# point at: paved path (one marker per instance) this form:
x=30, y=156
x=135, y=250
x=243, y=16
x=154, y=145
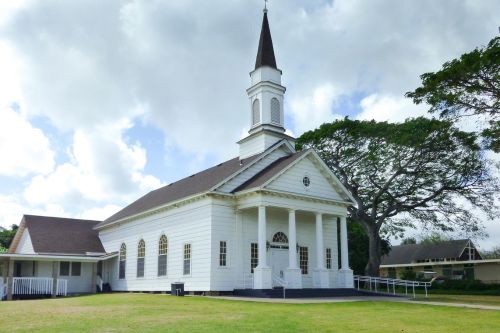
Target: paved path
x=354, y=299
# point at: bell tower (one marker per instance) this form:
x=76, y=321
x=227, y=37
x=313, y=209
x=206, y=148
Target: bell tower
x=266, y=96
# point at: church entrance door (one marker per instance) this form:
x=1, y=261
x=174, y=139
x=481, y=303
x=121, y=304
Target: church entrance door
x=279, y=261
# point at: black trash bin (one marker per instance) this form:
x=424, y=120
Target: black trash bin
x=177, y=289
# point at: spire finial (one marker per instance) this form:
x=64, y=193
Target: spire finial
x=265, y=6
x=265, y=53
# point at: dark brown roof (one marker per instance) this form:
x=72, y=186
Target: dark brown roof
x=265, y=53
x=55, y=235
x=197, y=183
x=411, y=253
x=270, y=171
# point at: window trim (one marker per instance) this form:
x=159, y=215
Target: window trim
x=160, y=255
x=69, y=268
x=123, y=249
x=226, y=257
x=184, y=259
x=328, y=258
x=254, y=247
x=80, y=272
x=143, y=257
x=256, y=109
x=273, y=113
x=306, y=250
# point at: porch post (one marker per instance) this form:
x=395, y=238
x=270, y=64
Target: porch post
x=343, y=243
x=320, y=274
x=10, y=279
x=93, y=290
x=262, y=278
x=55, y=272
x=345, y=273
x=262, y=237
x=292, y=274
x=320, y=258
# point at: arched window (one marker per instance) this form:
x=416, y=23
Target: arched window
x=141, y=254
x=123, y=261
x=280, y=237
x=255, y=112
x=275, y=111
x=162, y=255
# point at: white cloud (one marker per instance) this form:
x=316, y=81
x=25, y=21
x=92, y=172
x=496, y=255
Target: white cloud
x=23, y=149
x=389, y=108
x=83, y=65
x=313, y=109
x=103, y=168
x=99, y=213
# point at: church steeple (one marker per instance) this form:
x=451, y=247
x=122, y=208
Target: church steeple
x=266, y=96
x=265, y=53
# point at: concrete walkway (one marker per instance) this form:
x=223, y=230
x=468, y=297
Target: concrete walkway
x=354, y=299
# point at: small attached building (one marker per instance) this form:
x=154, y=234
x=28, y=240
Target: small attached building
x=455, y=259
x=47, y=249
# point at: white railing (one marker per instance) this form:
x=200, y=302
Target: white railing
x=377, y=283
x=280, y=282
x=38, y=286
x=62, y=287
x=247, y=281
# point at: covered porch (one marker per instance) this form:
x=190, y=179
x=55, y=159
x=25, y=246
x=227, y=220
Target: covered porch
x=311, y=231
x=36, y=275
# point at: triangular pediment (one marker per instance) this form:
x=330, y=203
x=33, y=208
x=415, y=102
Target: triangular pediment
x=309, y=176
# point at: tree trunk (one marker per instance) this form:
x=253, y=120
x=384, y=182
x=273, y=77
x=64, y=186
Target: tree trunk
x=374, y=251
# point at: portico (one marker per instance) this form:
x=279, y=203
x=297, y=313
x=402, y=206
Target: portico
x=308, y=251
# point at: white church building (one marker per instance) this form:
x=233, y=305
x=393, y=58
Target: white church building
x=270, y=217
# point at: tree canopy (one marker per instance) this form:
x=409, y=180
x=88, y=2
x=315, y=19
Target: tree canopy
x=6, y=237
x=422, y=170
x=468, y=86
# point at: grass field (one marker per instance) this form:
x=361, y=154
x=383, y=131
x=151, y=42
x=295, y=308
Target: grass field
x=467, y=299
x=161, y=313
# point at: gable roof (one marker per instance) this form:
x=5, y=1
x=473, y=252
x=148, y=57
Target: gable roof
x=56, y=235
x=194, y=184
x=269, y=172
x=410, y=253
x=274, y=170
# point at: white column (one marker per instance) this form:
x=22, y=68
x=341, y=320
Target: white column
x=292, y=240
x=345, y=276
x=262, y=238
x=343, y=243
x=262, y=276
x=293, y=275
x=320, y=274
x=320, y=259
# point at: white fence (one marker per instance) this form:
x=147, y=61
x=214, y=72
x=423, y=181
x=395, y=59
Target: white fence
x=38, y=286
x=378, y=284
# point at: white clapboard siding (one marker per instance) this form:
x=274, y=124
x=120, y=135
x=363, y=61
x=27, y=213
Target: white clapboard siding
x=25, y=246
x=187, y=224
x=291, y=181
x=224, y=228
x=253, y=170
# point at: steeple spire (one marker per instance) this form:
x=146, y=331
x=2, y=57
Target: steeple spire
x=265, y=53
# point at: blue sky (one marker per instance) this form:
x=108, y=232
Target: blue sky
x=101, y=102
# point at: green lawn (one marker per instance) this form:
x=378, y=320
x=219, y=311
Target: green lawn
x=159, y=313
x=468, y=299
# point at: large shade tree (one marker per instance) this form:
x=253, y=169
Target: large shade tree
x=422, y=170
x=467, y=87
